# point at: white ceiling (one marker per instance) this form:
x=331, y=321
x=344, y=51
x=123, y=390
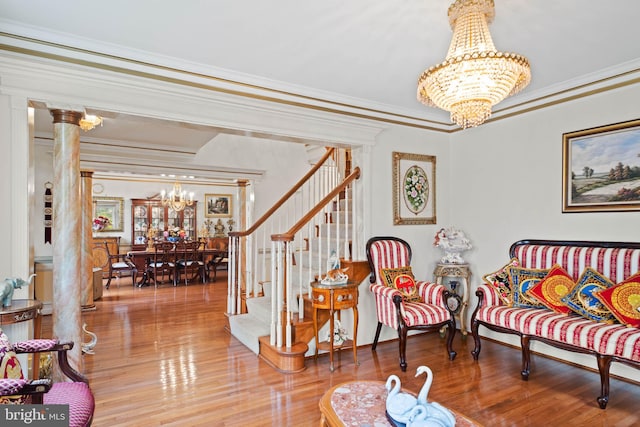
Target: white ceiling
x=361, y=53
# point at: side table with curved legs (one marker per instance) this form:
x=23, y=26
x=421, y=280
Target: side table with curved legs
x=459, y=300
x=335, y=298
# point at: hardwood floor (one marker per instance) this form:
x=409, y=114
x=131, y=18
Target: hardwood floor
x=164, y=358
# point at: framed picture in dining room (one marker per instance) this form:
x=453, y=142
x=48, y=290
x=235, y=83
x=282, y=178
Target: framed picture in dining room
x=414, y=189
x=601, y=168
x=111, y=208
x=218, y=205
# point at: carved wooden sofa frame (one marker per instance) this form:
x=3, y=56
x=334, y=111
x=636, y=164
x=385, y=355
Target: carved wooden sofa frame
x=574, y=256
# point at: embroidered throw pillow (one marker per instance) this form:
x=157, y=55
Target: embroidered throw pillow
x=9, y=368
x=403, y=280
x=521, y=280
x=582, y=299
x=550, y=290
x=499, y=279
x=623, y=300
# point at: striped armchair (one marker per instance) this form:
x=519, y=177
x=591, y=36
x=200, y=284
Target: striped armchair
x=608, y=342
x=430, y=314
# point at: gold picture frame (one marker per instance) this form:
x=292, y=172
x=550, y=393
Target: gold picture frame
x=218, y=205
x=414, y=189
x=112, y=208
x=601, y=168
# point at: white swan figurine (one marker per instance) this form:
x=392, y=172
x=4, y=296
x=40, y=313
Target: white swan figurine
x=434, y=409
x=398, y=404
x=418, y=418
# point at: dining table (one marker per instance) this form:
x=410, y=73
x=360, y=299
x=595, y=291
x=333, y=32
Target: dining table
x=206, y=255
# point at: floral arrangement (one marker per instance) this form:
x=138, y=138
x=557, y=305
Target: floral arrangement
x=100, y=223
x=339, y=334
x=175, y=233
x=416, y=189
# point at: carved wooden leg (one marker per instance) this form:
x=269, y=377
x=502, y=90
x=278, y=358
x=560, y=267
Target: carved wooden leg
x=375, y=340
x=526, y=357
x=450, y=335
x=402, y=344
x=476, y=339
x=604, y=363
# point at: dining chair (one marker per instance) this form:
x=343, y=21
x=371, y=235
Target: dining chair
x=117, y=263
x=162, y=263
x=220, y=260
x=189, y=260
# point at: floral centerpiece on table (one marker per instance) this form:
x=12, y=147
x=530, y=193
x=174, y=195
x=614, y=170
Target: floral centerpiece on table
x=339, y=334
x=174, y=234
x=100, y=223
x=453, y=242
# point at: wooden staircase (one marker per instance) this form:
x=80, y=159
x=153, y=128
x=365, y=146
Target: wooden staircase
x=292, y=359
x=273, y=262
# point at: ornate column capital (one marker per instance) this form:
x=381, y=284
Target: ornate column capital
x=66, y=116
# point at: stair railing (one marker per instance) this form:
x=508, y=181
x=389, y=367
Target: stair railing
x=284, y=302
x=251, y=252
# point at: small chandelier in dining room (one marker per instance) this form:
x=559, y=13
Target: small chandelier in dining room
x=474, y=76
x=177, y=198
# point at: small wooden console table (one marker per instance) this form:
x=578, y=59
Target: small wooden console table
x=335, y=298
x=22, y=310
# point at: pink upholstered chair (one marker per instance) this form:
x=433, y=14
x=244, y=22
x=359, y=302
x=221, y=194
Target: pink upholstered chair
x=428, y=314
x=16, y=389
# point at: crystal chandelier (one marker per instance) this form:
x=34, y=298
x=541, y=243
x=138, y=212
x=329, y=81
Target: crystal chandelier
x=89, y=121
x=474, y=76
x=176, y=199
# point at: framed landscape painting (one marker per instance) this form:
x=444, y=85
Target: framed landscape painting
x=601, y=168
x=217, y=205
x=414, y=189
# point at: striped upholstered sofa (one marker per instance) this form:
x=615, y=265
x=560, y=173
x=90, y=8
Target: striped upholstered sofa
x=608, y=340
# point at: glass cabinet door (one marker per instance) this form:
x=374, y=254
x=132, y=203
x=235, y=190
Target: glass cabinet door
x=157, y=218
x=189, y=222
x=173, y=219
x=140, y=224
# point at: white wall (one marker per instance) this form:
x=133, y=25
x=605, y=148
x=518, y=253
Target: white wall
x=380, y=210
x=507, y=184
x=284, y=164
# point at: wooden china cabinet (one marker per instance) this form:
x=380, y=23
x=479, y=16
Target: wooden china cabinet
x=150, y=212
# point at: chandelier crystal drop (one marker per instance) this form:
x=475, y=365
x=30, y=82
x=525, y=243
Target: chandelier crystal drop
x=177, y=198
x=474, y=76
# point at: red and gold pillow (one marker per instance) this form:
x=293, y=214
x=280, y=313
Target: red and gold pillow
x=550, y=290
x=9, y=368
x=499, y=279
x=403, y=280
x=623, y=300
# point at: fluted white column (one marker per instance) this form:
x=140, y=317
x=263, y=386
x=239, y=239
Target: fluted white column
x=67, y=232
x=87, y=240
